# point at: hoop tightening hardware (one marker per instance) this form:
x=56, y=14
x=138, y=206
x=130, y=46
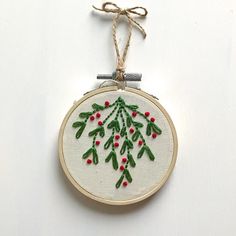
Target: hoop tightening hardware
x=127, y=76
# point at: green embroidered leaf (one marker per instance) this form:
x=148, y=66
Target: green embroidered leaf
x=156, y=129
x=95, y=156
x=141, y=152
x=129, y=143
x=114, y=124
x=95, y=131
x=77, y=124
x=135, y=136
x=111, y=124
x=126, y=143
x=132, y=107
x=150, y=154
x=128, y=121
x=117, y=126
x=87, y=153
x=131, y=160
x=120, y=100
x=108, y=142
x=110, y=156
x=138, y=124
x=127, y=175
x=80, y=131
x=97, y=107
x=102, y=132
x=119, y=181
x=122, y=132
x=149, y=129
x=123, y=148
x=85, y=114
x=114, y=161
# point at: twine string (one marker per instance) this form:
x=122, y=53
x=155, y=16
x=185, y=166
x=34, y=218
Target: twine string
x=109, y=7
x=113, y=82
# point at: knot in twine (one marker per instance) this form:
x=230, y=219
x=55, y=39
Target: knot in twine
x=110, y=7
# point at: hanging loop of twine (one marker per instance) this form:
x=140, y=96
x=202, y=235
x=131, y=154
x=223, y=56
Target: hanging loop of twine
x=110, y=7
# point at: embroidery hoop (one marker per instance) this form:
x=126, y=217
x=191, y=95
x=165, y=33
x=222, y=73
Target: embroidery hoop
x=108, y=201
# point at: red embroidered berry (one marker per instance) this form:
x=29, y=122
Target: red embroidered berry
x=107, y=103
x=131, y=130
x=134, y=113
x=122, y=168
x=100, y=123
x=91, y=118
x=140, y=142
x=152, y=119
x=147, y=113
x=97, y=142
x=89, y=161
x=124, y=159
x=125, y=183
x=117, y=137
x=98, y=115
x=116, y=144
x=154, y=135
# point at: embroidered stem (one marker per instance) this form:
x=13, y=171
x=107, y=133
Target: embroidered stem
x=136, y=128
x=128, y=132
x=125, y=172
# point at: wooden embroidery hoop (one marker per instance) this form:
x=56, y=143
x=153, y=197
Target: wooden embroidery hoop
x=108, y=201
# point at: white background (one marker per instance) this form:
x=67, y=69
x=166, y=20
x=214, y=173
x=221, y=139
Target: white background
x=50, y=53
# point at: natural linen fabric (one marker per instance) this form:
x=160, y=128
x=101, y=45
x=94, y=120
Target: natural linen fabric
x=100, y=179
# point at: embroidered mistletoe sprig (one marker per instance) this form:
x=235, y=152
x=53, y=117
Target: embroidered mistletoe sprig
x=123, y=127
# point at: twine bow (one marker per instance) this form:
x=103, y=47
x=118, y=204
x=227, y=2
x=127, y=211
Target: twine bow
x=110, y=7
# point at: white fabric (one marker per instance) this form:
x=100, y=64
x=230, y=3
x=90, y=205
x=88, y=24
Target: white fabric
x=100, y=179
